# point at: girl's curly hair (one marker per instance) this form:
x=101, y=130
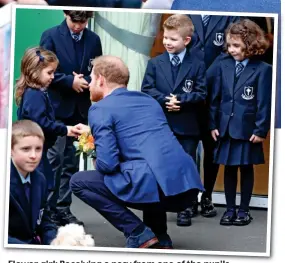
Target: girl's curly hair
x=252, y=36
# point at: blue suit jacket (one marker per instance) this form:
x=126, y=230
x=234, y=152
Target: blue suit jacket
x=158, y=83
x=211, y=42
x=64, y=99
x=26, y=221
x=242, y=109
x=136, y=149
x=36, y=106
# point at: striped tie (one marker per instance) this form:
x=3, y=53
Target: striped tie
x=175, y=61
x=239, y=69
x=205, y=20
x=75, y=37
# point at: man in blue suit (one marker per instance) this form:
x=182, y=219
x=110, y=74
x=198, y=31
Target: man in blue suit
x=29, y=220
x=140, y=163
x=76, y=47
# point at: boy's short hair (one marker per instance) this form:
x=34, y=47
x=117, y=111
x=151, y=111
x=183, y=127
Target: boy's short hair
x=79, y=16
x=112, y=68
x=25, y=128
x=182, y=23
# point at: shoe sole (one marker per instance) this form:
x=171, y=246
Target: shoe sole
x=242, y=224
x=149, y=243
x=183, y=224
x=209, y=215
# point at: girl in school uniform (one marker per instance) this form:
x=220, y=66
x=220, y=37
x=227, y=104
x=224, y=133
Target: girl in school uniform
x=240, y=114
x=37, y=72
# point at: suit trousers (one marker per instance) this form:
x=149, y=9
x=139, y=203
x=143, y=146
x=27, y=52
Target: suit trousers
x=89, y=186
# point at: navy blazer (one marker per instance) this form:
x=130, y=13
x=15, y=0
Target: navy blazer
x=243, y=108
x=136, y=150
x=190, y=88
x=27, y=221
x=64, y=99
x=211, y=42
x=36, y=106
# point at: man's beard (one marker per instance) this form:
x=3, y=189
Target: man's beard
x=96, y=96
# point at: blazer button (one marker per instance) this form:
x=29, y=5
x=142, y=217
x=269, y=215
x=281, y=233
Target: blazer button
x=232, y=101
x=232, y=115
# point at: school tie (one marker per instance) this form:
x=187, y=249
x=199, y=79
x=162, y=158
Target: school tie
x=175, y=60
x=75, y=36
x=239, y=69
x=27, y=187
x=205, y=20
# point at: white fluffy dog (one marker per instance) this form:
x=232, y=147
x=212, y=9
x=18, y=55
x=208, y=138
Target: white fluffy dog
x=73, y=235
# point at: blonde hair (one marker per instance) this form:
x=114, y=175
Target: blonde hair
x=182, y=23
x=33, y=62
x=25, y=128
x=112, y=68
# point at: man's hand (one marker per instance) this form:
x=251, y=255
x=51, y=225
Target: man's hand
x=215, y=134
x=80, y=128
x=256, y=139
x=79, y=83
x=172, y=104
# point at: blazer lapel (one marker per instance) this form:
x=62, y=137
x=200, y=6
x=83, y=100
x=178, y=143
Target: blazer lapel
x=67, y=42
x=36, y=197
x=246, y=73
x=229, y=74
x=198, y=25
x=18, y=196
x=214, y=20
x=164, y=63
x=85, y=57
x=184, y=69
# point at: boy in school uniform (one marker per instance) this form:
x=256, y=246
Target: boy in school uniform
x=208, y=41
x=176, y=79
x=29, y=221
x=75, y=47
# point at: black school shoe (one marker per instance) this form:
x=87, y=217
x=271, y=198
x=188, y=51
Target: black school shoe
x=207, y=207
x=184, y=218
x=243, y=218
x=66, y=217
x=228, y=217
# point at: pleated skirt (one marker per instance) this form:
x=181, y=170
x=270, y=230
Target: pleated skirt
x=231, y=151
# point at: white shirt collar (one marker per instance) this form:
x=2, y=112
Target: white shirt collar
x=181, y=55
x=80, y=34
x=244, y=62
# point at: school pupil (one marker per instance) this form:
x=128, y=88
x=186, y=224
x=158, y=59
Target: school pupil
x=240, y=114
x=37, y=72
x=75, y=47
x=176, y=79
x=29, y=220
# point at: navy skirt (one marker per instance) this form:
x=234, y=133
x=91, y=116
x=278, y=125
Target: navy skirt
x=231, y=151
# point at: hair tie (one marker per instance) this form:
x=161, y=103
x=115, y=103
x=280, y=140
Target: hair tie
x=38, y=52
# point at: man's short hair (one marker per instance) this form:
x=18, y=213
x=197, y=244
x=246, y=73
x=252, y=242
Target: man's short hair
x=79, y=16
x=112, y=68
x=182, y=23
x=25, y=128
